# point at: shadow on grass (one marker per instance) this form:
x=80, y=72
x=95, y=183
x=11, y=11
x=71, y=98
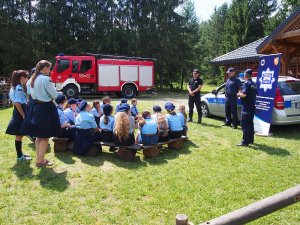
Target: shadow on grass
x=286, y=132
x=50, y=179
x=169, y=154
x=23, y=170
x=66, y=157
x=113, y=158
x=270, y=150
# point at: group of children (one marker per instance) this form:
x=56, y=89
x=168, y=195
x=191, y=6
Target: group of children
x=36, y=115
x=85, y=123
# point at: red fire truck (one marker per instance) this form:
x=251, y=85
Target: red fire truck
x=95, y=73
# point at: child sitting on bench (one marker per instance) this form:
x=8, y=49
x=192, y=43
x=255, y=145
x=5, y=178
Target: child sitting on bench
x=183, y=118
x=67, y=130
x=121, y=134
x=107, y=124
x=147, y=130
x=174, y=123
x=87, y=131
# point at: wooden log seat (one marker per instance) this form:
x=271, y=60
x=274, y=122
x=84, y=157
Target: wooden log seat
x=176, y=143
x=61, y=144
x=151, y=151
x=127, y=153
x=95, y=149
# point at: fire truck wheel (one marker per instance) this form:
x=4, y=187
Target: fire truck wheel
x=71, y=91
x=128, y=91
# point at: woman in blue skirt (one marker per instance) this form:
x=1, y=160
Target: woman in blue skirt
x=42, y=121
x=96, y=111
x=86, y=130
x=18, y=97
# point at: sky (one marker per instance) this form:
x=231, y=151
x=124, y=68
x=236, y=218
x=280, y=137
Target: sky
x=204, y=8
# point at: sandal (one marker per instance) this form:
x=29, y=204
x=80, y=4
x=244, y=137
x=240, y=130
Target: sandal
x=45, y=163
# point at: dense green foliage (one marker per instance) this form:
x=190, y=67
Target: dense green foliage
x=166, y=30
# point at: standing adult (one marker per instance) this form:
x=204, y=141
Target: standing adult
x=248, y=96
x=42, y=121
x=232, y=87
x=194, y=87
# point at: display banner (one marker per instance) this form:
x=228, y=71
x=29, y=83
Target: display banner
x=268, y=73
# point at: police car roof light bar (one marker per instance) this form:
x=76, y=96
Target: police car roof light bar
x=99, y=56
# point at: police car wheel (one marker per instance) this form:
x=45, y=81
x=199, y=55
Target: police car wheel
x=71, y=91
x=128, y=91
x=205, y=110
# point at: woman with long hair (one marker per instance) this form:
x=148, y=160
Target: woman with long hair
x=42, y=121
x=18, y=98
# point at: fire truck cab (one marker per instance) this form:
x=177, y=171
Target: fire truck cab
x=95, y=73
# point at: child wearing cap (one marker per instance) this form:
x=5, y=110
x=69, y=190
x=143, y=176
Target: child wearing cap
x=96, y=111
x=123, y=100
x=70, y=110
x=147, y=130
x=107, y=124
x=174, y=123
x=133, y=108
x=183, y=118
x=18, y=98
x=67, y=130
x=87, y=131
x=78, y=101
x=162, y=124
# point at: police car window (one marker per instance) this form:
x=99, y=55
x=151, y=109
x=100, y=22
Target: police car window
x=75, y=66
x=289, y=88
x=63, y=64
x=221, y=90
x=85, y=65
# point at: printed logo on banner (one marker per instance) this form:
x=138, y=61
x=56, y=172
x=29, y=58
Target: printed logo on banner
x=267, y=79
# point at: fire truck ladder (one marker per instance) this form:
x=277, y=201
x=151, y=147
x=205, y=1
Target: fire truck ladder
x=103, y=56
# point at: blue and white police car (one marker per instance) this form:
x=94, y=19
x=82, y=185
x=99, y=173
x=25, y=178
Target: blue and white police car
x=286, y=103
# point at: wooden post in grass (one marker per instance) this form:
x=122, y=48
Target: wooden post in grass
x=182, y=219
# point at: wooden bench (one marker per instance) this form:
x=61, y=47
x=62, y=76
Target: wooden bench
x=125, y=153
x=95, y=149
x=62, y=144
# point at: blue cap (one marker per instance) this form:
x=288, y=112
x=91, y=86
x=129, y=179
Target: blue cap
x=231, y=69
x=32, y=70
x=156, y=108
x=82, y=105
x=79, y=100
x=107, y=109
x=72, y=101
x=123, y=100
x=169, y=106
x=124, y=107
x=196, y=71
x=60, y=99
x=248, y=71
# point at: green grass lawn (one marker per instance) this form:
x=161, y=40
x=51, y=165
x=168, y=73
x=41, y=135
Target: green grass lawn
x=209, y=177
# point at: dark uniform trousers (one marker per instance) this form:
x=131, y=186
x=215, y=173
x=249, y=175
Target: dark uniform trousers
x=196, y=99
x=247, y=124
x=231, y=108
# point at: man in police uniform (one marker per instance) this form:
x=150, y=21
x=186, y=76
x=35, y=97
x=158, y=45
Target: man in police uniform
x=232, y=87
x=194, y=87
x=248, y=96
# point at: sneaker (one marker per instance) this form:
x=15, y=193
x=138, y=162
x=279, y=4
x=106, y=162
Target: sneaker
x=24, y=158
x=189, y=120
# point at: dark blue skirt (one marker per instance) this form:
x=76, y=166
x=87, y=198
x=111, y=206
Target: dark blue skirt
x=69, y=133
x=84, y=139
x=42, y=120
x=148, y=139
x=16, y=121
x=107, y=136
x=175, y=134
x=126, y=142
